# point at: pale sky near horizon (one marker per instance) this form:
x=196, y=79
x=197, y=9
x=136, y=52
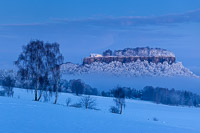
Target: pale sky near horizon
x=86, y=26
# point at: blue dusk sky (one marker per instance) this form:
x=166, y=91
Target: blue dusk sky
x=82, y=27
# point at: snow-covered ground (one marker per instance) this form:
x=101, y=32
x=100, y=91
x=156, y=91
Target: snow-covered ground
x=22, y=115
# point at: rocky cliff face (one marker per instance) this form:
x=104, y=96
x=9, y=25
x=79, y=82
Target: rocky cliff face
x=127, y=55
x=127, y=59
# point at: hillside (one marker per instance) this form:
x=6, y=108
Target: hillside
x=21, y=114
x=132, y=62
x=132, y=69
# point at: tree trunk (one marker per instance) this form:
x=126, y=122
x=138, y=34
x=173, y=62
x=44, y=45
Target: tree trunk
x=56, y=97
x=36, y=88
x=121, y=109
x=40, y=96
x=36, y=92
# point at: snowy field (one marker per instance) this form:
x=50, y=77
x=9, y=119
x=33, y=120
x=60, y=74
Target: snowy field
x=21, y=114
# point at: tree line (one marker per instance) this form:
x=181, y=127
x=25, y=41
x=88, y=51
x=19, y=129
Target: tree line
x=159, y=95
x=78, y=87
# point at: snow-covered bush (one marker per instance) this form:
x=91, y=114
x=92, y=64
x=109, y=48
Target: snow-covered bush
x=155, y=119
x=8, y=83
x=114, y=109
x=68, y=101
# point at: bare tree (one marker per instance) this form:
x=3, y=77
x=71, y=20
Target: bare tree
x=56, y=81
x=55, y=60
x=40, y=63
x=120, y=102
x=31, y=63
x=87, y=102
x=119, y=99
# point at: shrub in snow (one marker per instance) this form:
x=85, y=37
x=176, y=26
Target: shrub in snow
x=46, y=96
x=76, y=105
x=87, y=102
x=114, y=109
x=8, y=83
x=68, y=101
x=2, y=93
x=155, y=119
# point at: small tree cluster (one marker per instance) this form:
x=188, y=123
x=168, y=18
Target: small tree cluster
x=39, y=65
x=79, y=87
